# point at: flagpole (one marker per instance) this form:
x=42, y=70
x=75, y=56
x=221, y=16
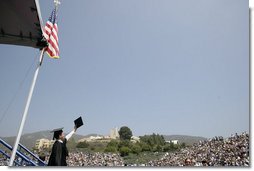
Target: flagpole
x=57, y=2
x=14, y=150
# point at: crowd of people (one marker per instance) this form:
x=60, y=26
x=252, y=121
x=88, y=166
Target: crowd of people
x=94, y=159
x=87, y=159
x=4, y=162
x=233, y=151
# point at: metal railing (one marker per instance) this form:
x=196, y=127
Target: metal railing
x=39, y=161
x=8, y=157
x=23, y=159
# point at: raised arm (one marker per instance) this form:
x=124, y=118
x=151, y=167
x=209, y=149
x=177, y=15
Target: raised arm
x=71, y=133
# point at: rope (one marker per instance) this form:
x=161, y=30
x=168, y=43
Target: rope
x=17, y=91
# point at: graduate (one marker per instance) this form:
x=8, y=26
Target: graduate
x=59, y=150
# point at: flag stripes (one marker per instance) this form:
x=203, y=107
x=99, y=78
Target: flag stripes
x=51, y=35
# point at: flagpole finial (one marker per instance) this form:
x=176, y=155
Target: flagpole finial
x=57, y=2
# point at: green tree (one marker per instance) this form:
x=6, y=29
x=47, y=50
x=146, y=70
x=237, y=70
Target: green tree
x=110, y=149
x=154, y=141
x=159, y=148
x=124, y=151
x=144, y=146
x=71, y=145
x=112, y=146
x=171, y=145
x=124, y=143
x=98, y=146
x=136, y=149
x=113, y=143
x=166, y=147
x=83, y=144
x=183, y=145
x=125, y=133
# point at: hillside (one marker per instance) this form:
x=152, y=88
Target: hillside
x=29, y=139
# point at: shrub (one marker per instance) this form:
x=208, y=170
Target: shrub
x=124, y=151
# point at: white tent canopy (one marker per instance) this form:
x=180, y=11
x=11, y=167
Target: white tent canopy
x=21, y=23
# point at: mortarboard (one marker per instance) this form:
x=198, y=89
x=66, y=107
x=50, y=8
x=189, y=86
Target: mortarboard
x=78, y=122
x=57, y=132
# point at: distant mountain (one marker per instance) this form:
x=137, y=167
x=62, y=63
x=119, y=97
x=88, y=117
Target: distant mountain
x=29, y=139
x=188, y=140
x=89, y=135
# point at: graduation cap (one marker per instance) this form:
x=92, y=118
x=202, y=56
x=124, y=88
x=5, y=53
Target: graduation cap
x=78, y=122
x=57, y=132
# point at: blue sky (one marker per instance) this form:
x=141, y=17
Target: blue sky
x=166, y=66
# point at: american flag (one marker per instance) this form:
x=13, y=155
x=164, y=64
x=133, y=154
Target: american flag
x=50, y=34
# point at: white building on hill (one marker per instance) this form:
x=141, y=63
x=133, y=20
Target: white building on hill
x=114, y=133
x=43, y=143
x=173, y=141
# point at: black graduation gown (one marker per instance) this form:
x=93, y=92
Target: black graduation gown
x=58, y=154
